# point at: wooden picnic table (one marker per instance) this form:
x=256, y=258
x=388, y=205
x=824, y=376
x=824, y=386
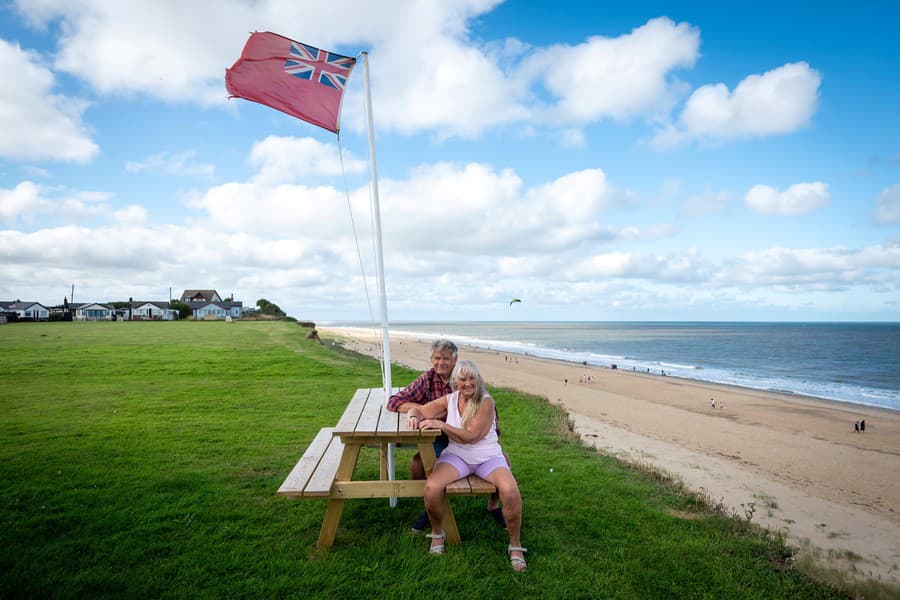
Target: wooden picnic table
x=327, y=467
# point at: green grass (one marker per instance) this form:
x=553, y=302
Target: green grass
x=141, y=459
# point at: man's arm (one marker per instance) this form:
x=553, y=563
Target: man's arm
x=412, y=395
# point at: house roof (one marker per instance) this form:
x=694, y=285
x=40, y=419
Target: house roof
x=157, y=304
x=80, y=305
x=12, y=305
x=208, y=294
x=222, y=304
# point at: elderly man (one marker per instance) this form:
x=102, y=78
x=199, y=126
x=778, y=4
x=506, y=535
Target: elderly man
x=431, y=385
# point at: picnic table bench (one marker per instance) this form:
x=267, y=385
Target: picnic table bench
x=326, y=468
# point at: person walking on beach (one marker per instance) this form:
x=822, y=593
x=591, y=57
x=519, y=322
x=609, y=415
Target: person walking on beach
x=427, y=387
x=862, y=425
x=468, y=418
x=856, y=426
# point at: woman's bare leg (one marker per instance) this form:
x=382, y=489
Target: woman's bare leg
x=435, y=488
x=512, y=506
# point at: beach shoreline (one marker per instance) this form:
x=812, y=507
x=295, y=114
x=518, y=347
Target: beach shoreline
x=793, y=463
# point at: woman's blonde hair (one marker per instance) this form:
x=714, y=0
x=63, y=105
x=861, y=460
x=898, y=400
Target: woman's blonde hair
x=468, y=368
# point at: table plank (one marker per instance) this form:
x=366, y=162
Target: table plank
x=349, y=419
x=368, y=418
x=390, y=422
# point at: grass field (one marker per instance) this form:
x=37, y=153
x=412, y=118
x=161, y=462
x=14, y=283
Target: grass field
x=141, y=459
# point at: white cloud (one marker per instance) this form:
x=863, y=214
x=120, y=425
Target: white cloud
x=802, y=269
x=28, y=200
x=709, y=202
x=165, y=49
x=181, y=163
x=467, y=87
x=615, y=77
x=887, y=208
x=798, y=199
x=36, y=123
x=127, y=48
x=21, y=201
x=288, y=159
x=131, y=215
x=778, y=101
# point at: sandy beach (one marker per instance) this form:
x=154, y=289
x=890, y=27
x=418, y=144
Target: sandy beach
x=796, y=461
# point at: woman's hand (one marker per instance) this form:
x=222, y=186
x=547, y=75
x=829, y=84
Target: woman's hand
x=412, y=422
x=431, y=424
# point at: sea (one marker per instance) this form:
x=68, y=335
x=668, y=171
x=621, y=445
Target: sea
x=858, y=363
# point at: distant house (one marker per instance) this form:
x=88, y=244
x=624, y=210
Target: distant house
x=93, y=311
x=191, y=296
x=217, y=310
x=150, y=311
x=34, y=311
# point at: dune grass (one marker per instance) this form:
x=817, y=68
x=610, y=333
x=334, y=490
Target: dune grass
x=142, y=459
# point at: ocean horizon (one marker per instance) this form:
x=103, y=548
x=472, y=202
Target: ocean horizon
x=851, y=362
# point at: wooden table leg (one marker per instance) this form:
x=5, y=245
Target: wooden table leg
x=426, y=452
x=336, y=504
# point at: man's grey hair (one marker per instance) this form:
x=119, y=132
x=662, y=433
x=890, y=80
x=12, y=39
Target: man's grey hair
x=443, y=345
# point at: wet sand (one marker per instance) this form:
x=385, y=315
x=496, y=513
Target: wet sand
x=797, y=461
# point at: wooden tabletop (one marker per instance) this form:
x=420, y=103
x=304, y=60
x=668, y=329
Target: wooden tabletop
x=367, y=420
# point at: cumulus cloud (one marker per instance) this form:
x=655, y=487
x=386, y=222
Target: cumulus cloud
x=164, y=49
x=778, y=101
x=179, y=163
x=469, y=85
x=288, y=159
x=615, y=77
x=128, y=48
x=36, y=123
x=887, y=207
x=28, y=200
x=798, y=199
x=802, y=269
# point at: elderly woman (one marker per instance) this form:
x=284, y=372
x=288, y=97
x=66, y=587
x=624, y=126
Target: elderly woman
x=467, y=417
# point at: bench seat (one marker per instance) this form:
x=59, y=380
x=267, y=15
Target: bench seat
x=314, y=473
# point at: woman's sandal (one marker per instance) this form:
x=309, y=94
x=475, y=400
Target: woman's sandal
x=517, y=561
x=438, y=548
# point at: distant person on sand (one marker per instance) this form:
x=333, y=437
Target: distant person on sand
x=862, y=425
x=431, y=385
x=468, y=418
x=712, y=401
x=856, y=426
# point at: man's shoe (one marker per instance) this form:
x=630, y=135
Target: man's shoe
x=497, y=513
x=422, y=523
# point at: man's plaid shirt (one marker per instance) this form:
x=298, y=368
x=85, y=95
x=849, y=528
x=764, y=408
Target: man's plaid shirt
x=427, y=387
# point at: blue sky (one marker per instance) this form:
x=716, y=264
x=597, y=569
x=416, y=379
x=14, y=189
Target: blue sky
x=705, y=161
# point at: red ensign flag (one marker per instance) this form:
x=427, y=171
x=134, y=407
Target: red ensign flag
x=292, y=77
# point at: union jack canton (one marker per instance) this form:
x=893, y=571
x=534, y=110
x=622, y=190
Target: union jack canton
x=313, y=64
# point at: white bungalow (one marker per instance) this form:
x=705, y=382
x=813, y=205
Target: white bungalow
x=152, y=311
x=34, y=311
x=93, y=311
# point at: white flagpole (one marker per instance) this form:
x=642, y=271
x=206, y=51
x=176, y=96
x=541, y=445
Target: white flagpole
x=379, y=260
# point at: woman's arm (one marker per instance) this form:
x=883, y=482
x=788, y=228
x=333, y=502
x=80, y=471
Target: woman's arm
x=476, y=429
x=436, y=409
